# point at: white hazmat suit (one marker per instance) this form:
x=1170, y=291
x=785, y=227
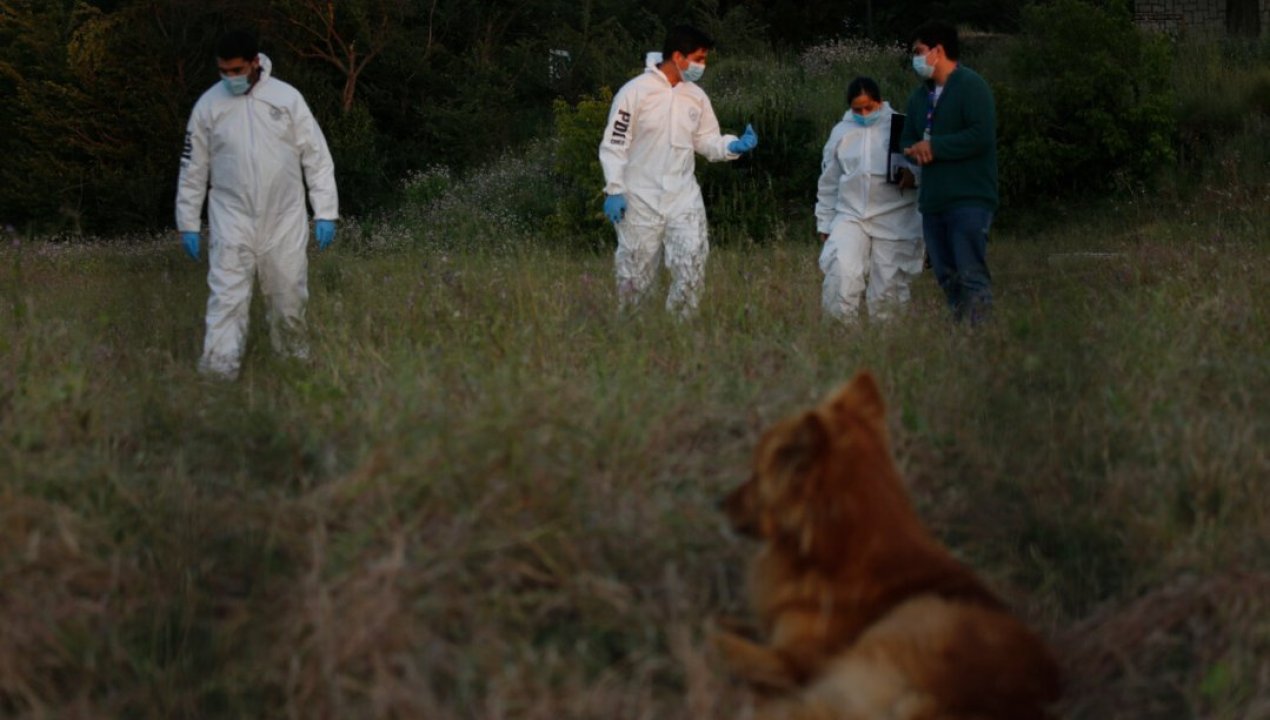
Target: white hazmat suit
x=255, y=152
x=874, y=229
x=648, y=153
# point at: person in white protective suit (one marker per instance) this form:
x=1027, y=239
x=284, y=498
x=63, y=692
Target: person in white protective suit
x=254, y=142
x=871, y=229
x=659, y=121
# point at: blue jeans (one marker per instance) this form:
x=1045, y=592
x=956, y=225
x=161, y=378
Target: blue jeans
x=957, y=242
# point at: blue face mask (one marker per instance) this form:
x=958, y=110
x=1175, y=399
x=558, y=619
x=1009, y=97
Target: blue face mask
x=866, y=120
x=693, y=72
x=236, y=85
x=922, y=68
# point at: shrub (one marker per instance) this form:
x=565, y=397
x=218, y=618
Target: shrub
x=1088, y=104
x=354, y=141
x=578, y=212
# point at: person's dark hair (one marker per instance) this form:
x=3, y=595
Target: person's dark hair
x=237, y=44
x=938, y=33
x=864, y=86
x=685, y=39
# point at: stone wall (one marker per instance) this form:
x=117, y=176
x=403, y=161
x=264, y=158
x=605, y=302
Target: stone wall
x=1179, y=16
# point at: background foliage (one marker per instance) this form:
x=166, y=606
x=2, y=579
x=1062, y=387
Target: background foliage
x=1085, y=102
x=97, y=91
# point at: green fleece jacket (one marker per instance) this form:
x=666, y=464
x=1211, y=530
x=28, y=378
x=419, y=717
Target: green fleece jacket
x=963, y=139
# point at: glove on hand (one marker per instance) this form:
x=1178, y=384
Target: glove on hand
x=324, y=231
x=190, y=241
x=615, y=208
x=745, y=143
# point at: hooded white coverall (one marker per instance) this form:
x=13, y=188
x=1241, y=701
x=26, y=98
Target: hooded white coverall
x=874, y=229
x=256, y=152
x=648, y=155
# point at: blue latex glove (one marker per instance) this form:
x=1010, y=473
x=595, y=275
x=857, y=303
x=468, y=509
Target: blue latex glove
x=190, y=241
x=745, y=143
x=324, y=231
x=615, y=208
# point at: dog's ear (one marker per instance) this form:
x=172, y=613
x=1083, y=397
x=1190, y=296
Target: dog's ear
x=803, y=498
x=801, y=446
x=861, y=396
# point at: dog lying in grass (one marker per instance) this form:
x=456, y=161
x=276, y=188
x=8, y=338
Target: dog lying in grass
x=863, y=615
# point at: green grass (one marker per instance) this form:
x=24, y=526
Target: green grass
x=490, y=495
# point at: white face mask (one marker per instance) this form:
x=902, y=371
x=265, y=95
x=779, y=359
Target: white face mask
x=866, y=120
x=925, y=70
x=693, y=72
x=236, y=85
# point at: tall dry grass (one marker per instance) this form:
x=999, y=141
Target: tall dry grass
x=491, y=496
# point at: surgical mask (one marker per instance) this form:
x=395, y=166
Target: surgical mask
x=693, y=72
x=866, y=120
x=922, y=68
x=236, y=85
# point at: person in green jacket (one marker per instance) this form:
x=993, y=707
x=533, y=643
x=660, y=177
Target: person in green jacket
x=950, y=130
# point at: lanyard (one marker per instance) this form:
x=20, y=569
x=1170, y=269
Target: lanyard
x=931, y=99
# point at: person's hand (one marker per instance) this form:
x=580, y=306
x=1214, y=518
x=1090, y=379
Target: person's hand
x=324, y=231
x=615, y=208
x=747, y=142
x=907, y=179
x=189, y=240
x=921, y=152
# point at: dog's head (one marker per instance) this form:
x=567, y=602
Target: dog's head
x=811, y=470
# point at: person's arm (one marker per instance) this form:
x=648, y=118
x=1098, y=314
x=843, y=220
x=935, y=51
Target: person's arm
x=707, y=140
x=319, y=167
x=827, y=186
x=191, y=186
x=615, y=144
x=980, y=131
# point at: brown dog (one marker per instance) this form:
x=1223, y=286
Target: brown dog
x=863, y=614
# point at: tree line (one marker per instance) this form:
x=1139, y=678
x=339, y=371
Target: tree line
x=96, y=92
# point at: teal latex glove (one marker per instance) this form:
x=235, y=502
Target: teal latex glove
x=324, y=231
x=615, y=208
x=745, y=143
x=189, y=240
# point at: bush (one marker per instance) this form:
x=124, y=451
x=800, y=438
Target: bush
x=578, y=213
x=354, y=141
x=1088, y=104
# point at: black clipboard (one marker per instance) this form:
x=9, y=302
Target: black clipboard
x=895, y=159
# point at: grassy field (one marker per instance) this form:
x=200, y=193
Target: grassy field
x=491, y=496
